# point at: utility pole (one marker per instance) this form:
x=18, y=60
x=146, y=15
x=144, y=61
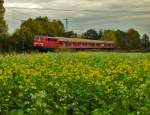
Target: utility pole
x=67, y=24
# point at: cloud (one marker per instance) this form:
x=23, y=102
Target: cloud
x=82, y=4
x=22, y=5
x=83, y=14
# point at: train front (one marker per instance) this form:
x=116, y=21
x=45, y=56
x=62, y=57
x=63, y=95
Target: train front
x=45, y=43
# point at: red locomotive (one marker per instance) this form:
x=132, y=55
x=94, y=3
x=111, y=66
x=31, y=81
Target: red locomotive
x=52, y=43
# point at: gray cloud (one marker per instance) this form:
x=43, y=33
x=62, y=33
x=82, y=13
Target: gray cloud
x=83, y=14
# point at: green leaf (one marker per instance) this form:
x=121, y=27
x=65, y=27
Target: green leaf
x=97, y=112
x=16, y=112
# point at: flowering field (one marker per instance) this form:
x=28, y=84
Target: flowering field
x=80, y=83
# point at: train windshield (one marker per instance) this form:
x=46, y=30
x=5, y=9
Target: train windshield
x=39, y=38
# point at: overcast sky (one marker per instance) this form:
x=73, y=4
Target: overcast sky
x=83, y=14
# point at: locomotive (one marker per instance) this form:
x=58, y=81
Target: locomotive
x=46, y=43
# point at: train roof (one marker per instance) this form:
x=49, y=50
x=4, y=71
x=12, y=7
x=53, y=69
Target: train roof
x=80, y=40
x=76, y=40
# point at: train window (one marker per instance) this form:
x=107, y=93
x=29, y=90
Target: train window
x=36, y=38
x=52, y=40
x=65, y=43
x=61, y=42
x=70, y=43
x=85, y=43
x=97, y=44
x=89, y=43
x=102, y=45
x=93, y=44
x=41, y=38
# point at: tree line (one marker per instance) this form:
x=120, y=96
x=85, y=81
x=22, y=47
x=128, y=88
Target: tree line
x=22, y=38
x=130, y=40
x=3, y=25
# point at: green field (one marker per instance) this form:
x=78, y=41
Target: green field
x=82, y=83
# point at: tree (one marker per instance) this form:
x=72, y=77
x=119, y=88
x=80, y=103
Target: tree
x=90, y=34
x=3, y=26
x=5, y=45
x=133, y=39
x=38, y=26
x=109, y=35
x=4, y=37
x=44, y=26
x=57, y=27
x=100, y=34
x=145, y=41
x=70, y=34
x=121, y=39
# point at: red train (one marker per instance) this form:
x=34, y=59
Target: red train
x=52, y=43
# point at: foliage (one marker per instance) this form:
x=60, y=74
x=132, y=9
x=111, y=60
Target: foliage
x=75, y=84
x=90, y=34
x=38, y=26
x=121, y=39
x=4, y=41
x=133, y=38
x=109, y=35
x=70, y=34
x=126, y=40
x=100, y=34
x=3, y=26
x=145, y=41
